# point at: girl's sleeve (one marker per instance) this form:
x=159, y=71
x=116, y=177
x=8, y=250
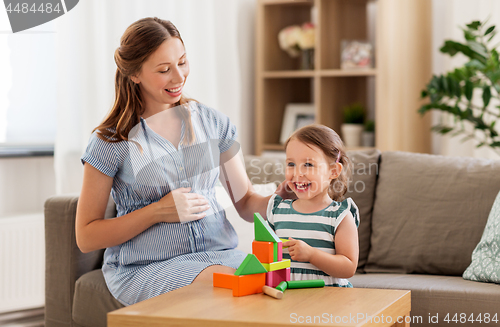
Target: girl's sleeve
x=101, y=155
x=347, y=206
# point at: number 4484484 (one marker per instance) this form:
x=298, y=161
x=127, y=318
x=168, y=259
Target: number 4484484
x=25, y=8
x=462, y=318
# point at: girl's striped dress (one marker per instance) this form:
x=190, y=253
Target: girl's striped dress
x=316, y=229
x=146, y=168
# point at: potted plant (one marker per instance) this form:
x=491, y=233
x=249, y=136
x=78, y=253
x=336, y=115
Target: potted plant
x=368, y=137
x=352, y=128
x=470, y=93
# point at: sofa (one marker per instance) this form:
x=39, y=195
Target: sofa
x=421, y=218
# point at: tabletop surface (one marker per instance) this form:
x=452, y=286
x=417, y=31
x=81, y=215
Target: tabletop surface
x=201, y=304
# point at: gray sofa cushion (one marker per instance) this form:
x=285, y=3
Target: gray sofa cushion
x=430, y=212
x=361, y=190
x=431, y=295
x=93, y=300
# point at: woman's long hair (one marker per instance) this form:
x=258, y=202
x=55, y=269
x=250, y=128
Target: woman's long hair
x=139, y=41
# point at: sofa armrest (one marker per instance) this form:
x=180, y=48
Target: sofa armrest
x=64, y=262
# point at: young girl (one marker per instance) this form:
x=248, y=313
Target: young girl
x=320, y=225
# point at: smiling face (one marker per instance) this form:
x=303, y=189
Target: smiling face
x=163, y=76
x=308, y=171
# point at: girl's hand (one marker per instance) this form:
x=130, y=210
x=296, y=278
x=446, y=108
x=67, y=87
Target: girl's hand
x=299, y=250
x=284, y=191
x=180, y=206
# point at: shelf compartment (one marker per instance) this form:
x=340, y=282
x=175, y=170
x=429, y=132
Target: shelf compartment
x=277, y=93
x=337, y=92
x=275, y=18
x=340, y=20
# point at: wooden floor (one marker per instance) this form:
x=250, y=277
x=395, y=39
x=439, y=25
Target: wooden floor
x=25, y=318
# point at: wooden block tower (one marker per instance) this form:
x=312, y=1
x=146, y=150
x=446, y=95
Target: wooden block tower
x=265, y=266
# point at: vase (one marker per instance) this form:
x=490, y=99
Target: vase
x=307, y=59
x=368, y=139
x=351, y=134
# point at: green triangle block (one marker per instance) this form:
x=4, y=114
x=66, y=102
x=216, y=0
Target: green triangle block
x=263, y=232
x=251, y=265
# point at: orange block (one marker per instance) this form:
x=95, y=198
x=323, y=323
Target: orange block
x=249, y=284
x=264, y=251
x=224, y=280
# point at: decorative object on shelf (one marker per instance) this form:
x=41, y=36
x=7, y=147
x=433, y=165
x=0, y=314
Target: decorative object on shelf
x=368, y=136
x=352, y=128
x=457, y=92
x=356, y=55
x=299, y=41
x=296, y=116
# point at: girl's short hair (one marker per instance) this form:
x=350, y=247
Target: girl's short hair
x=330, y=143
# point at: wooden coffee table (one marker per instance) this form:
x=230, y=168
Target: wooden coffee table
x=203, y=305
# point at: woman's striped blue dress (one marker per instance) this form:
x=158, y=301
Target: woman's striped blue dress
x=144, y=169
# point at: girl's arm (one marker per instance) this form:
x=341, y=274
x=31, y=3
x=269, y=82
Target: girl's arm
x=343, y=263
x=93, y=232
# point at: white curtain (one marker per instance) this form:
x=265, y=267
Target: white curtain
x=218, y=35
x=448, y=17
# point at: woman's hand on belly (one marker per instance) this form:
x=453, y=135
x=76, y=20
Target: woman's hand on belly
x=180, y=205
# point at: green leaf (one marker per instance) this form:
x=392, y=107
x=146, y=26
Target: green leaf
x=424, y=94
x=474, y=25
x=474, y=63
x=468, y=89
x=480, y=145
x=489, y=30
x=495, y=144
x=486, y=95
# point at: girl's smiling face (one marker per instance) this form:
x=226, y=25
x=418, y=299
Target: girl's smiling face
x=163, y=75
x=308, y=171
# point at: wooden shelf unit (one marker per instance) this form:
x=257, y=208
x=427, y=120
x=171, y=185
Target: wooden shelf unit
x=279, y=80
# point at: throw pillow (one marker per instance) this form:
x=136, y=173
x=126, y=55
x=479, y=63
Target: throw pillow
x=243, y=228
x=485, y=265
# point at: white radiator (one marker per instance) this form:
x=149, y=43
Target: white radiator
x=22, y=262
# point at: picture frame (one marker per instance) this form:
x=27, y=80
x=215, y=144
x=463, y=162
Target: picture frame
x=296, y=116
x=356, y=54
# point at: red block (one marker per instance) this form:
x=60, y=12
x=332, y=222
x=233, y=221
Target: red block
x=273, y=278
x=264, y=251
x=280, y=251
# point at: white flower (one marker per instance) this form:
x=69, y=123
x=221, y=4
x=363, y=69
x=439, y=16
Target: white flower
x=294, y=38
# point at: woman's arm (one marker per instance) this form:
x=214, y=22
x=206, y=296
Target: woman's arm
x=343, y=263
x=93, y=232
x=235, y=180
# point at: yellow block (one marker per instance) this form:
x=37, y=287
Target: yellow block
x=284, y=240
x=285, y=263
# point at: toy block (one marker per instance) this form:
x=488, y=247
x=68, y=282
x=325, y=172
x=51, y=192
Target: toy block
x=263, y=232
x=284, y=240
x=278, y=252
x=285, y=263
x=273, y=278
x=224, y=280
x=277, y=294
x=249, y=284
x=282, y=286
x=310, y=283
x=264, y=251
x=251, y=265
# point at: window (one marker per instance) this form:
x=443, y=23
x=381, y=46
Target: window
x=28, y=85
